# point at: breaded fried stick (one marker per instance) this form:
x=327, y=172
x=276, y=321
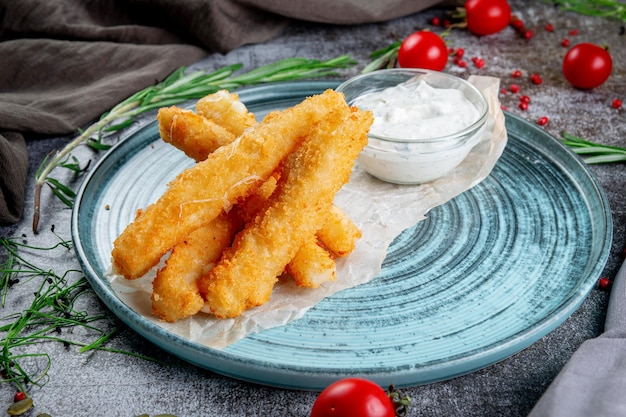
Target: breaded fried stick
x=339, y=233
x=175, y=293
x=312, y=265
x=200, y=193
x=221, y=118
x=195, y=135
x=312, y=175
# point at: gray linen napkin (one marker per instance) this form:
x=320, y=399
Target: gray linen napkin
x=593, y=382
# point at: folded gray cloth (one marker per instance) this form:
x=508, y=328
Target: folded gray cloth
x=593, y=382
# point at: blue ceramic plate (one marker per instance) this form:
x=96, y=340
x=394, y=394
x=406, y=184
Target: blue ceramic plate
x=483, y=277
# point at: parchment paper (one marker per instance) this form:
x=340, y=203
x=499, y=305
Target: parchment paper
x=381, y=210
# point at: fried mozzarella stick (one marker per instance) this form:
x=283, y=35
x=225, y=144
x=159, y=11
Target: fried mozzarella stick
x=227, y=111
x=312, y=265
x=193, y=134
x=175, y=293
x=339, y=233
x=310, y=178
x=200, y=193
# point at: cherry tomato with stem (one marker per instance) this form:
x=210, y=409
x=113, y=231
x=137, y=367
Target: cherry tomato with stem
x=587, y=65
x=353, y=397
x=484, y=17
x=423, y=49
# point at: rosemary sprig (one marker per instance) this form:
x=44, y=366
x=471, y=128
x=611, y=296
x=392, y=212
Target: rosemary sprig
x=592, y=152
x=611, y=9
x=175, y=89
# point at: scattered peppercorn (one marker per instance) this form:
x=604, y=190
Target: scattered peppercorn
x=565, y=42
x=542, y=121
x=516, y=74
x=616, y=103
x=536, y=79
x=478, y=62
x=604, y=283
x=549, y=27
x=517, y=24
x=514, y=88
x=19, y=396
x=460, y=62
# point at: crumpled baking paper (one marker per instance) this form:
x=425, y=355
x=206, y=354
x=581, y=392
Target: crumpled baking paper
x=381, y=210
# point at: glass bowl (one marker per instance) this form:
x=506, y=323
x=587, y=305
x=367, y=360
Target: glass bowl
x=425, y=123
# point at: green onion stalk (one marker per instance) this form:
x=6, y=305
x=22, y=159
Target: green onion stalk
x=175, y=89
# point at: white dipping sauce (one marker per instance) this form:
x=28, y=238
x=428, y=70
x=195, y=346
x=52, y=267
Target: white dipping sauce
x=415, y=111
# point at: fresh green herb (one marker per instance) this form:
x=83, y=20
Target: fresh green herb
x=16, y=267
x=175, y=89
x=592, y=152
x=611, y=9
x=383, y=58
x=54, y=315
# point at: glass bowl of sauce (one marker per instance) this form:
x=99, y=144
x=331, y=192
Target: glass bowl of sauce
x=425, y=122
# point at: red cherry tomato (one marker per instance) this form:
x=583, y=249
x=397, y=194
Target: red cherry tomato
x=485, y=17
x=423, y=49
x=353, y=397
x=587, y=65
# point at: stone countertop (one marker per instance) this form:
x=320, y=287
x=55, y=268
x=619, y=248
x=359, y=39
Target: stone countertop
x=102, y=383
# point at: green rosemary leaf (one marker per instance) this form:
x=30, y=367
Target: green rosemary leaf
x=118, y=126
x=601, y=154
x=390, y=49
x=72, y=166
x=586, y=150
x=97, y=145
x=65, y=190
x=69, y=202
x=605, y=159
x=611, y=9
x=383, y=58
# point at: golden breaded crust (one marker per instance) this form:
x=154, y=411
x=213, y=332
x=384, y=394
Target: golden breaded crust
x=312, y=265
x=195, y=135
x=175, y=292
